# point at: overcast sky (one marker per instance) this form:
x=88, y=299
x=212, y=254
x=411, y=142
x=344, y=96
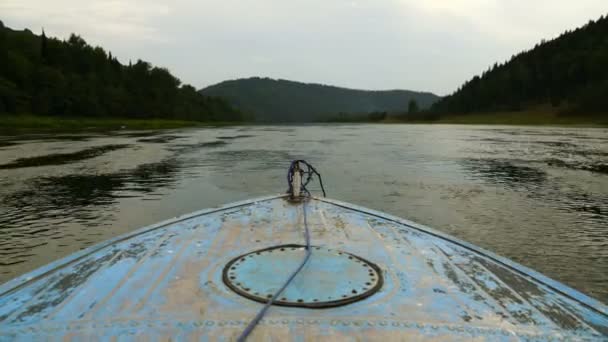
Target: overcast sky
x=430, y=45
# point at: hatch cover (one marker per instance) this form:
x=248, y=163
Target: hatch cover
x=330, y=278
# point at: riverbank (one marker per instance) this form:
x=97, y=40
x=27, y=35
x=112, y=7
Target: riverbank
x=532, y=117
x=47, y=123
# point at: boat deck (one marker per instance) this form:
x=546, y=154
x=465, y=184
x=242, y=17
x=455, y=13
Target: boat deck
x=165, y=282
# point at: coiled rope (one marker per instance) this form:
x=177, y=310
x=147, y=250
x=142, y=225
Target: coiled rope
x=308, y=174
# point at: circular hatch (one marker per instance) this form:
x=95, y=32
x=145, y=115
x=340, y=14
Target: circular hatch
x=330, y=278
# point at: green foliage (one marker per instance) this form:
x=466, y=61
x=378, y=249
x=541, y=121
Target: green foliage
x=287, y=101
x=9, y=123
x=412, y=107
x=49, y=77
x=377, y=116
x=569, y=72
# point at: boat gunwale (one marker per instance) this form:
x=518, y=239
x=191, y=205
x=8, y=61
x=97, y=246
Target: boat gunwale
x=40, y=272
x=536, y=276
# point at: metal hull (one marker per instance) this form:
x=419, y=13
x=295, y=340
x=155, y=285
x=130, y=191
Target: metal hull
x=165, y=282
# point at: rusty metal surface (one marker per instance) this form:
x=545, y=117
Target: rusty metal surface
x=165, y=282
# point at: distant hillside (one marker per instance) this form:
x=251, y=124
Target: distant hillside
x=568, y=74
x=50, y=77
x=287, y=101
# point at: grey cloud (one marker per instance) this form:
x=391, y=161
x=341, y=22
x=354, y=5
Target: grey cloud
x=431, y=45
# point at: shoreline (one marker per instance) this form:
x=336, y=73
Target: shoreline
x=530, y=117
x=31, y=123
x=18, y=123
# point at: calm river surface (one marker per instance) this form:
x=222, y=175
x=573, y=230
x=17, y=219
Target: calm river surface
x=536, y=195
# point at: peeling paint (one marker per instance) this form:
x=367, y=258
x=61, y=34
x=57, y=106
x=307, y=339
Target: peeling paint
x=166, y=283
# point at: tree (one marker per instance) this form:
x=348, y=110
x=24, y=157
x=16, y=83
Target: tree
x=412, y=107
x=567, y=72
x=47, y=76
x=43, y=46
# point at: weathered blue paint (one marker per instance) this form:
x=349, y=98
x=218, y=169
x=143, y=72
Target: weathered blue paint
x=329, y=278
x=165, y=281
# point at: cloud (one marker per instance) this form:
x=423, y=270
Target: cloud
x=418, y=44
x=125, y=20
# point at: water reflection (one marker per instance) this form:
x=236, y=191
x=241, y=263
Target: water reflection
x=534, y=182
x=536, y=195
x=62, y=158
x=71, y=192
x=241, y=136
x=505, y=172
x=162, y=139
x=185, y=148
x=48, y=206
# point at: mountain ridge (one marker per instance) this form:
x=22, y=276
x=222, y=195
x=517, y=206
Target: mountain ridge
x=268, y=99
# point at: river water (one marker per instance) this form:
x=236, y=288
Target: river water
x=538, y=196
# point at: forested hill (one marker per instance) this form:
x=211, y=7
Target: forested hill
x=287, y=101
x=47, y=76
x=569, y=74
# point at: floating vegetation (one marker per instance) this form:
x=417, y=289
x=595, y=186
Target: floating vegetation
x=189, y=147
x=7, y=143
x=236, y=137
x=163, y=139
x=132, y=134
x=498, y=171
x=62, y=158
x=593, y=167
